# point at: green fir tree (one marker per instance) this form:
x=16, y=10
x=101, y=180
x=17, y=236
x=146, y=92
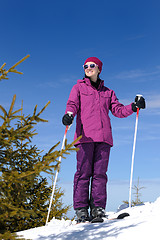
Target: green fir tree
x=24, y=193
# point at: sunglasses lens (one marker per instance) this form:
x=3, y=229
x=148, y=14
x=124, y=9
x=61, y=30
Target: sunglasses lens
x=85, y=66
x=92, y=65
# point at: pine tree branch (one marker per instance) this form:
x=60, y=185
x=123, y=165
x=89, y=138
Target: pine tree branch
x=12, y=105
x=43, y=108
x=45, y=164
x=4, y=72
x=3, y=110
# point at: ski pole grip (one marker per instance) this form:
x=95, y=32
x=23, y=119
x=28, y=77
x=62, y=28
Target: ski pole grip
x=139, y=96
x=70, y=113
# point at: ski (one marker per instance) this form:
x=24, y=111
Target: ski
x=120, y=216
x=100, y=220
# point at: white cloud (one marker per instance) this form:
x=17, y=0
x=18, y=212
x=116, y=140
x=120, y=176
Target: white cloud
x=130, y=74
x=57, y=83
x=139, y=74
x=140, y=36
x=133, y=74
x=153, y=101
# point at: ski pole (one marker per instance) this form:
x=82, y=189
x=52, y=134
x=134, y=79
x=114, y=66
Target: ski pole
x=56, y=176
x=133, y=153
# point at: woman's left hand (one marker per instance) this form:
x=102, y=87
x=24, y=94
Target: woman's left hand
x=139, y=103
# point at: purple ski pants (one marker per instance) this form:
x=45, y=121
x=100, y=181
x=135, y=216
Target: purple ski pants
x=92, y=164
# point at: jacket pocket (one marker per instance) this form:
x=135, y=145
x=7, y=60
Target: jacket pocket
x=87, y=102
x=87, y=93
x=105, y=100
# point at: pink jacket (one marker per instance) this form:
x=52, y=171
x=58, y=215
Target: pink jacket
x=92, y=106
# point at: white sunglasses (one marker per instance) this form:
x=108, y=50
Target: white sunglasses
x=92, y=65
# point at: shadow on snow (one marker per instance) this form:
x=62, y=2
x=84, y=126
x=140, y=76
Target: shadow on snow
x=88, y=231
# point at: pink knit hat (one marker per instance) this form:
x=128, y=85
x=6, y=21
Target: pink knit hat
x=95, y=60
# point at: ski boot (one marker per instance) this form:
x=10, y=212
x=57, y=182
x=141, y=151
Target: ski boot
x=97, y=214
x=82, y=215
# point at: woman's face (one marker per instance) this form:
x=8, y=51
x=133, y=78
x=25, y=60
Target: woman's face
x=92, y=72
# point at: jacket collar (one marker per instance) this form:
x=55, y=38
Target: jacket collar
x=87, y=81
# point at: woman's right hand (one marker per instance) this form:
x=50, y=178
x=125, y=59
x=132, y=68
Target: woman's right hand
x=67, y=119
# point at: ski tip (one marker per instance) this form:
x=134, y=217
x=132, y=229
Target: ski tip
x=123, y=215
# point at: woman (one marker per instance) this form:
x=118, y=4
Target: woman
x=91, y=101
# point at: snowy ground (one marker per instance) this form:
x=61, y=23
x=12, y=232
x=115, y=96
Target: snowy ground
x=143, y=223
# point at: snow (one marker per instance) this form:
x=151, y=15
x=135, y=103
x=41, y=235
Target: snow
x=143, y=223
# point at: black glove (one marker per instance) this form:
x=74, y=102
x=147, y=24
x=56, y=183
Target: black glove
x=139, y=103
x=67, y=119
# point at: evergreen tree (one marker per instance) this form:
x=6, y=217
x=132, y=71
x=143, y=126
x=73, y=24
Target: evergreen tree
x=24, y=193
x=137, y=193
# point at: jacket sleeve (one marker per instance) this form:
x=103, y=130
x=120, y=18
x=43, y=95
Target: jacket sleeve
x=118, y=109
x=73, y=101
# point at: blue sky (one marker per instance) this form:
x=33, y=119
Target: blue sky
x=59, y=36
